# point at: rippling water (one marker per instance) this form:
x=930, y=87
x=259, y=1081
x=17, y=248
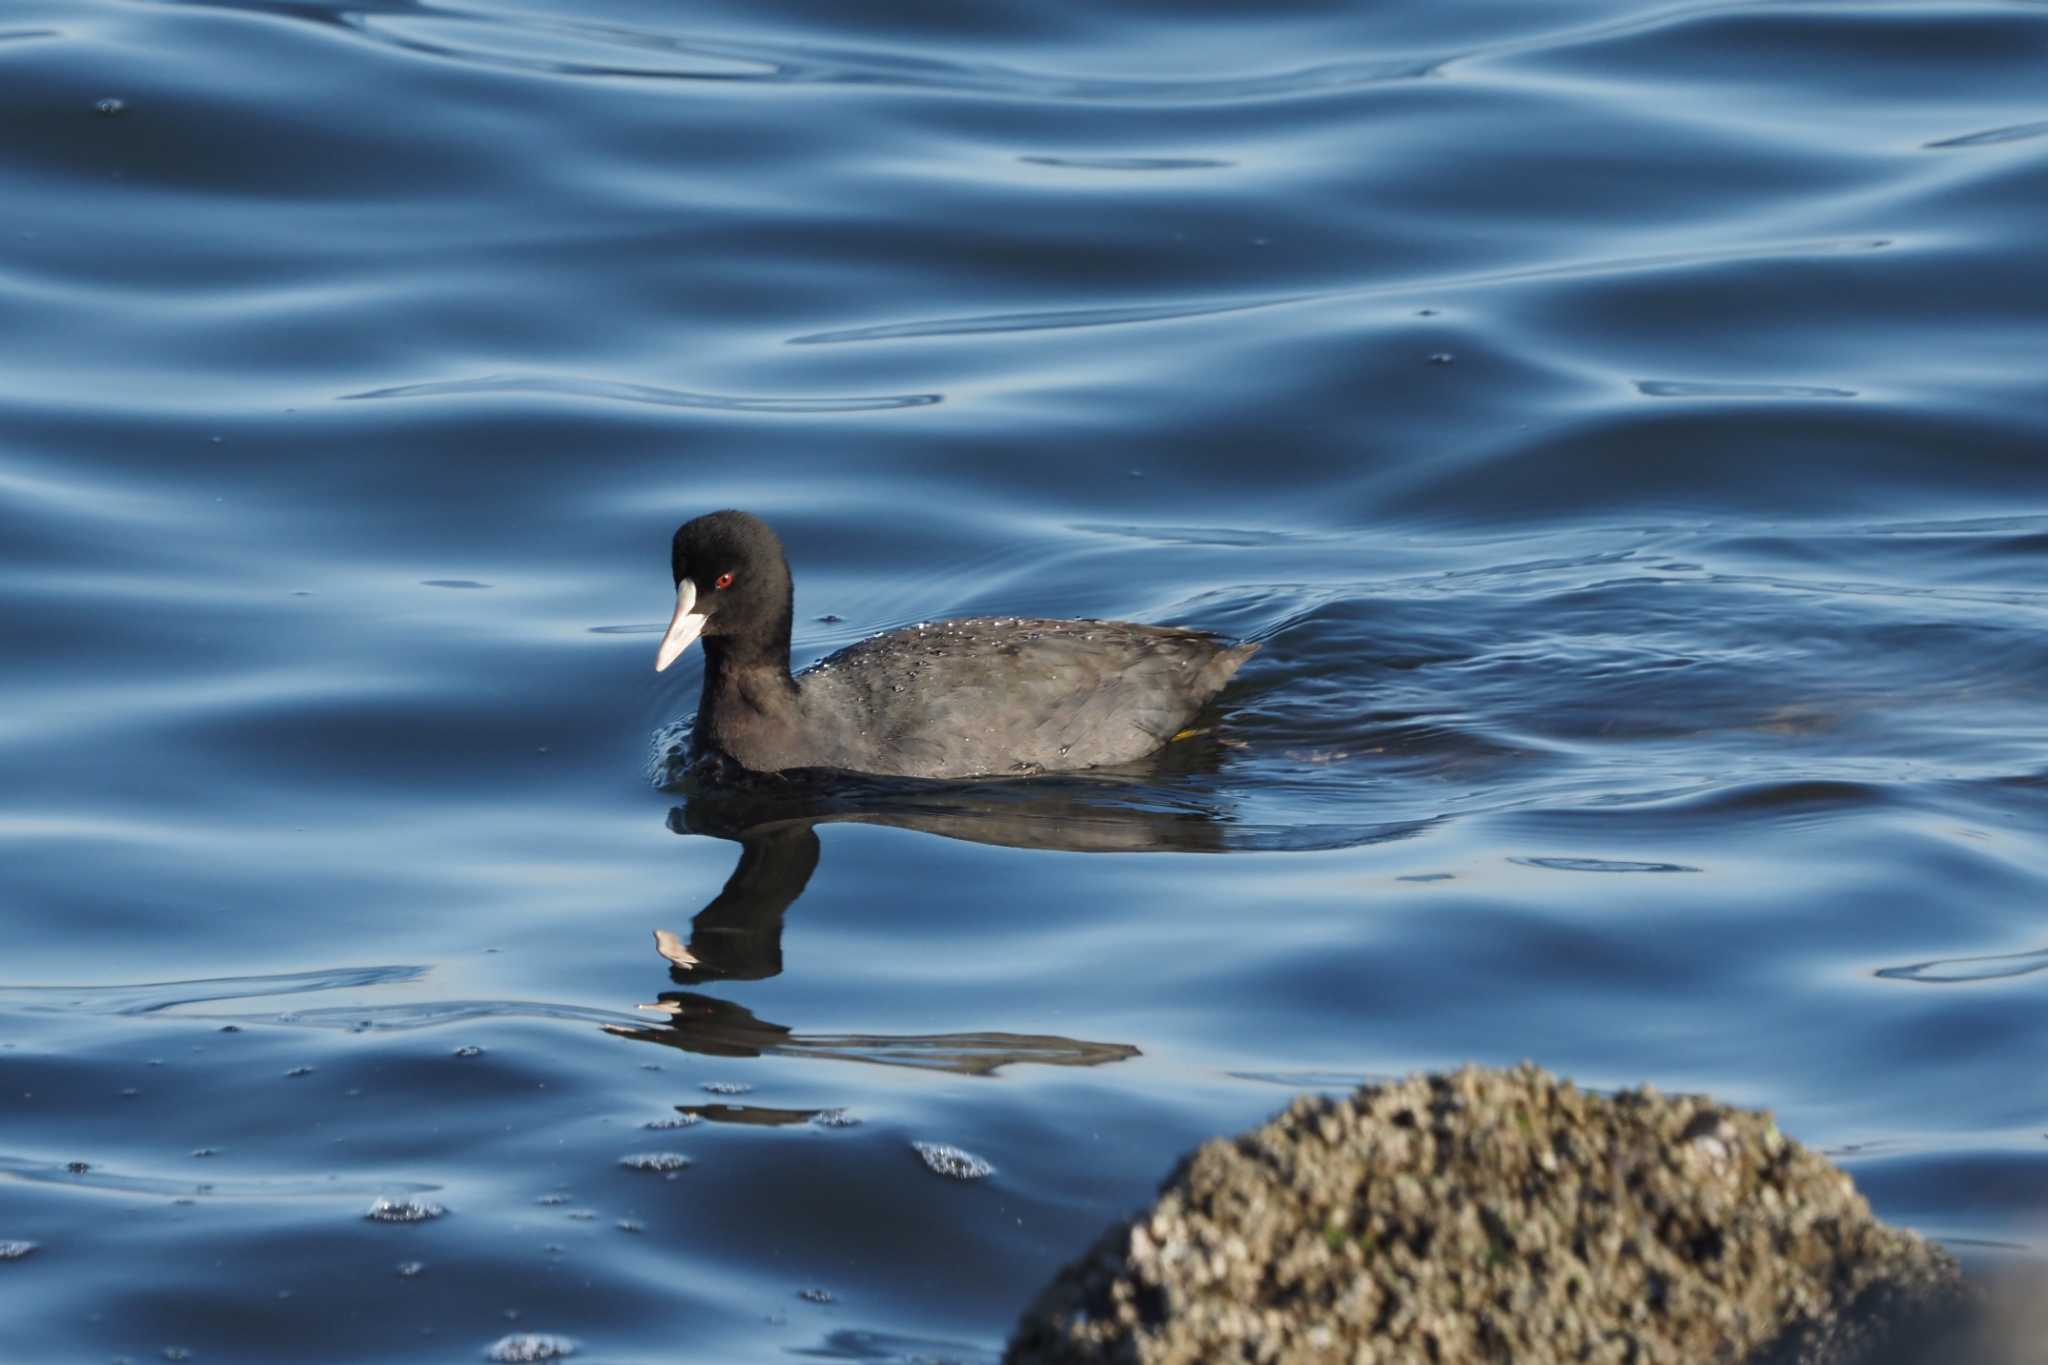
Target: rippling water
x=1623, y=424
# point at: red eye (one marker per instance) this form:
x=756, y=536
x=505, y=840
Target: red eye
x=724, y=580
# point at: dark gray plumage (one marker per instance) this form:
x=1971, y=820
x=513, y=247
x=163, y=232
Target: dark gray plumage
x=946, y=699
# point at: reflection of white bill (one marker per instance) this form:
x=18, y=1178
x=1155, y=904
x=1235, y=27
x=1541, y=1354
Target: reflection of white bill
x=671, y=947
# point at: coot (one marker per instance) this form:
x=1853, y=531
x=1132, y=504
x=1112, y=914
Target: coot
x=964, y=698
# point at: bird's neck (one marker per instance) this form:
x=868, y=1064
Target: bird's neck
x=762, y=648
x=749, y=706
x=726, y=657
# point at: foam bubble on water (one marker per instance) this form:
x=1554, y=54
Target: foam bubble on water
x=948, y=1160
x=549, y=1201
x=727, y=1088
x=834, y=1118
x=469, y=1050
x=669, y=755
x=654, y=1161
x=404, y=1211
x=14, y=1251
x=529, y=1346
x=667, y=1121
x=410, y=1269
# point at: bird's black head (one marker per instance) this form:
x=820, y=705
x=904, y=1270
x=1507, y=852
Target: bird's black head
x=732, y=586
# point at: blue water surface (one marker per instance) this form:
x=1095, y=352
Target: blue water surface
x=1623, y=425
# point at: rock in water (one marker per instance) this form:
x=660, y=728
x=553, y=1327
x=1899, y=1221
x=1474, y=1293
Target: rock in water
x=1494, y=1216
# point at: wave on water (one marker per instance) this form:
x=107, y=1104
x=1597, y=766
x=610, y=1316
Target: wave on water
x=642, y=393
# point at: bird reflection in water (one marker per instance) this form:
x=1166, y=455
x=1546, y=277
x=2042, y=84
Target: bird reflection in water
x=738, y=936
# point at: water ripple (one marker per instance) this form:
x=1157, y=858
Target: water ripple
x=734, y=1032
x=1994, y=967
x=890, y=1348
x=423, y=1014
x=1345, y=1081
x=1599, y=865
x=82, y=1176
x=1119, y=315
x=645, y=393
x=1221, y=537
x=1129, y=163
x=2017, y=132
x=154, y=997
x=1050, y=320
x=973, y=1054
x=1691, y=388
x=576, y=48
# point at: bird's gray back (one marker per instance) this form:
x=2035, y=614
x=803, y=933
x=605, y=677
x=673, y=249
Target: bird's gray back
x=993, y=695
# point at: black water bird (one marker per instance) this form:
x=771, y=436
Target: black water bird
x=944, y=699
